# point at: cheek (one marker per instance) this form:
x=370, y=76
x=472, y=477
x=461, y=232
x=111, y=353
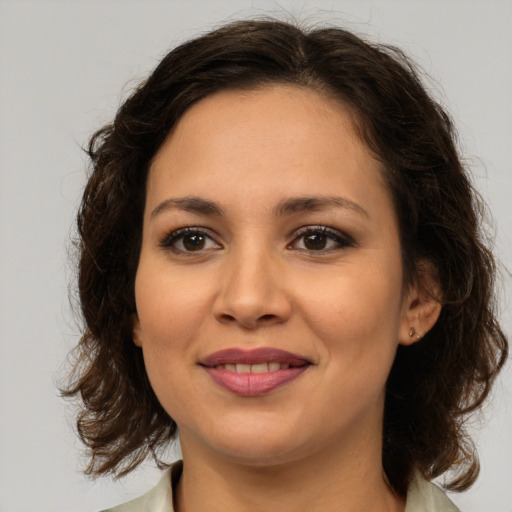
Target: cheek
x=170, y=306
x=168, y=325
x=170, y=313
x=357, y=303
x=356, y=315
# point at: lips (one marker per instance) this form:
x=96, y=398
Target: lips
x=251, y=357
x=254, y=372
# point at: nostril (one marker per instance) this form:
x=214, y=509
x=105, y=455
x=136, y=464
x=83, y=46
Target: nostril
x=251, y=310
x=228, y=318
x=248, y=321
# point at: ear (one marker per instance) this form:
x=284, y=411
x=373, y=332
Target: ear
x=137, y=337
x=421, y=306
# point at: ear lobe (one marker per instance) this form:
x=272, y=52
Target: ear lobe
x=137, y=338
x=422, y=305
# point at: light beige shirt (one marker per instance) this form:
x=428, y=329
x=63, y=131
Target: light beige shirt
x=422, y=496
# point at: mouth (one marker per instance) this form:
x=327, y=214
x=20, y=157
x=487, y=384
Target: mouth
x=254, y=372
x=271, y=366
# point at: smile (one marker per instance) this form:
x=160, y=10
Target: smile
x=254, y=372
x=273, y=366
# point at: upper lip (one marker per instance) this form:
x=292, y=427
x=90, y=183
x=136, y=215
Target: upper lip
x=253, y=356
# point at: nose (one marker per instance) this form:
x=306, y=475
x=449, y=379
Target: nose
x=252, y=292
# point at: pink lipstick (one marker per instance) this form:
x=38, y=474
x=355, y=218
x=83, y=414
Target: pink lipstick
x=254, y=372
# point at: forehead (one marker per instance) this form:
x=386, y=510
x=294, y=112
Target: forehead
x=287, y=139
x=291, y=110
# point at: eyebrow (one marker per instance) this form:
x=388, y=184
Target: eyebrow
x=192, y=204
x=316, y=203
x=285, y=207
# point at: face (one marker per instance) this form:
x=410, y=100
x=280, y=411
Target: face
x=269, y=290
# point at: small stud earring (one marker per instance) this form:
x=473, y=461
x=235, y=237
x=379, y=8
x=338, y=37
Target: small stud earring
x=412, y=333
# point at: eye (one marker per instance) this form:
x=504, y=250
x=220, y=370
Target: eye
x=188, y=240
x=320, y=239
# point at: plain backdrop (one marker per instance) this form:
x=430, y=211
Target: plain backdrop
x=64, y=68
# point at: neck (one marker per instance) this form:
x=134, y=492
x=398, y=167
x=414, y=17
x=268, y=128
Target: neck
x=337, y=480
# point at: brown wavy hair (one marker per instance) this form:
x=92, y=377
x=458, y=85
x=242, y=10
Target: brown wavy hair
x=434, y=383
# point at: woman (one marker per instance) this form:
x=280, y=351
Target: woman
x=280, y=257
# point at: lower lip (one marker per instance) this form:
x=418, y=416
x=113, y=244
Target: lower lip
x=254, y=384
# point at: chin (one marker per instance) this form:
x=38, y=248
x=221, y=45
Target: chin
x=257, y=447
x=262, y=456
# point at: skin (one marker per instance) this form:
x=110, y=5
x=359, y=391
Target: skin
x=314, y=443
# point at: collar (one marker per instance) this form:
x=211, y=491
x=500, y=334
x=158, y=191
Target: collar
x=422, y=495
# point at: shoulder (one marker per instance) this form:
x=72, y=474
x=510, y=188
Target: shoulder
x=157, y=499
x=424, y=496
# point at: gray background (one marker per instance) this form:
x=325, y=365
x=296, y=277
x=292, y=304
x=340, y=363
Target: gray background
x=64, y=68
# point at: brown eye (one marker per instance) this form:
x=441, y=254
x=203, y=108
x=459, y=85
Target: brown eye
x=321, y=239
x=194, y=242
x=189, y=240
x=315, y=241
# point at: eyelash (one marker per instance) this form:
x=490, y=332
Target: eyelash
x=179, y=234
x=342, y=240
